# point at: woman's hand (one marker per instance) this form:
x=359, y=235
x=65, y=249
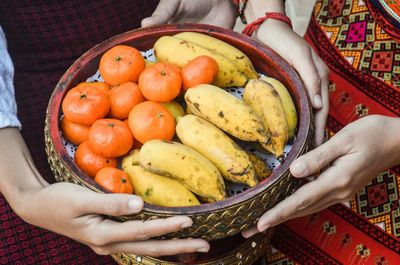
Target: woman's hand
x=312, y=70
x=214, y=12
x=294, y=49
x=78, y=212
x=352, y=157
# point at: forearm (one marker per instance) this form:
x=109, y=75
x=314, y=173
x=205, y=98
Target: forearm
x=392, y=140
x=18, y=173
x=257, y=8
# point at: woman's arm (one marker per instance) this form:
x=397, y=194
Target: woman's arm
x=72, y=210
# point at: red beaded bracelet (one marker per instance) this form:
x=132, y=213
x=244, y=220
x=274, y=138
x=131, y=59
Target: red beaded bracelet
x=253, y=26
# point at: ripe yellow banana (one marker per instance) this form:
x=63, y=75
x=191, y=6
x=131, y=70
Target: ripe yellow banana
x=131, y=159
x=159, y=190
x=179, y=162
x=227, y=112
x=241, y=61
x=207, y=139
x=173, y=50
x=264, y=100
x=287, y=102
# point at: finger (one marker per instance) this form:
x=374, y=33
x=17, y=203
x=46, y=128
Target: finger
x=250, y=232
x=109, y=231
x=304, y=197
x=313, y=161
x=109, y=204
x=315, y=208
x=321, y=115
x=165, y=10
x=309, y=74
x=156, y=248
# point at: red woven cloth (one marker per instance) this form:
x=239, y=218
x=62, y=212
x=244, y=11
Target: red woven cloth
x=44, y=38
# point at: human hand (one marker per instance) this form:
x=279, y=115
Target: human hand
x=77, y=212
x=312, y=70
x=354, y=156
x=214, y=12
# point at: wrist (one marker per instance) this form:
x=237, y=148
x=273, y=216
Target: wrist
x=19, y=176
x=256, y=8
x=393, y=127
x=265, y=28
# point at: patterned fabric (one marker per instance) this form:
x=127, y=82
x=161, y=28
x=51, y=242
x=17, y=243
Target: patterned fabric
x=8, y=107
x=44, y=38
x=351, y=37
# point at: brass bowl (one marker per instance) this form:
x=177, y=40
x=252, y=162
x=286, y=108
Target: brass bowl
x=213, y=220
x=228, y=251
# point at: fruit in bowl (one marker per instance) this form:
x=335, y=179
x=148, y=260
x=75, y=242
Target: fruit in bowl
x=218, y=146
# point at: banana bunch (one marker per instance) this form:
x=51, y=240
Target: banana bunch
x=154, y=188
x=207, y=139
x=235, y=68
x=188, y=167
x=269, y=106
x=227, y=112
x=239, y=59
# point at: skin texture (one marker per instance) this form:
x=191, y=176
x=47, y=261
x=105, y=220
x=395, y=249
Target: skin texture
x=349, y=160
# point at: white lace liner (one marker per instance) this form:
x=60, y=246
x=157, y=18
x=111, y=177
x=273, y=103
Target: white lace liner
x=231, y=188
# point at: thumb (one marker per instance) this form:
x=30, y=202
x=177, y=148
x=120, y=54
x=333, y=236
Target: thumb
x=313, y=161
x=165, y=10
x=112, y=204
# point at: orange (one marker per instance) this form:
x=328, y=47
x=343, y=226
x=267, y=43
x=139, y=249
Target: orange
x=160, y=82
x=201, y=70
x=114, y=180
x=123, y=98
x=90, y=162
x=121, y=64
x=73, y=132
x=83, y=105
x=110, y=137
x=99, y=85
x=150, y=120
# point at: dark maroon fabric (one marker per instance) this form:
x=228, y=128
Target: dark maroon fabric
x=44, y=38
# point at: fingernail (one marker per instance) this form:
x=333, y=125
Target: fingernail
x=135, y=204
x=187, y=224
x=264, y=227
x=247, y=234
x=203, y=249
x=317, y=101
x=298, y=169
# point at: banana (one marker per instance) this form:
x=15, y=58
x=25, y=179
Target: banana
x=287, y=102
x=227, y=112
x=241, y=61
x=179, y=162
x=261, y=168
x=131, y=159
x=207, y=139
x=180, y=52
x=174, y=108
x=159, y=190
x=264, y=100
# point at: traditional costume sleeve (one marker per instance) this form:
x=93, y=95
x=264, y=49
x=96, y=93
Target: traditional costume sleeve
x=8, y=106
